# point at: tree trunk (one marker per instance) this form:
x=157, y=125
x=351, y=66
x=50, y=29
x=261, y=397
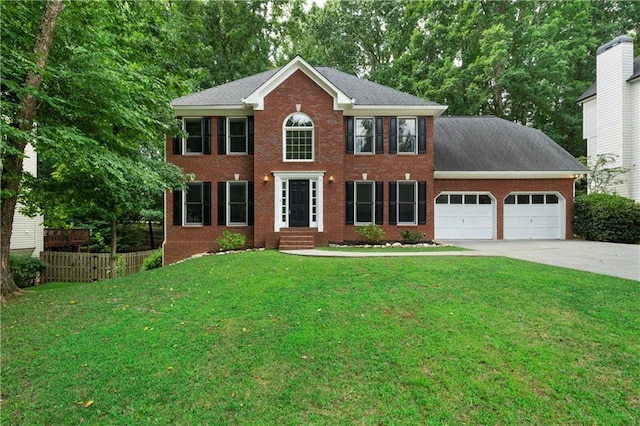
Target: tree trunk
x=114, y=249
x=12, y=162
x=151, y=241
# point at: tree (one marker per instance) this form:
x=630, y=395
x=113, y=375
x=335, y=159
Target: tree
x=19, y=107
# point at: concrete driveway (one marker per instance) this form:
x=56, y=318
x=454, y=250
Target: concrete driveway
x=618, y=260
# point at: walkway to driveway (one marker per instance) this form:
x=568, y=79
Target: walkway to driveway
x=618, y=260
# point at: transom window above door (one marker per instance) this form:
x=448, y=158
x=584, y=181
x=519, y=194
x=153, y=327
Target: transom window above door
x=298, y=137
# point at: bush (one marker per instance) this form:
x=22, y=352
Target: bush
x=372, y=234
x=153, y=261
x=410, y=237
x=606, y=217
x=230, y=240
x=26, y=270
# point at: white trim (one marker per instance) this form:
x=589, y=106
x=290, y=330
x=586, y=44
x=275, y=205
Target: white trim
x=207, y=111
x=569, y=174
x=285, y=176
x=256, y=98
x=396, y=110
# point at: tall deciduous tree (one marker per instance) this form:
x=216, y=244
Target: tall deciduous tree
x=19, y=107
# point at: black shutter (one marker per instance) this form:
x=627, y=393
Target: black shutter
x=250, y=135
x=379, y=208
x=206, y=135
x=222, y=203
x=379, y=135
x=177, y=208
x=422, y=202
x=177, y=140
x=349, y=203
x=422, y=135
x=206, y=203
x=392, y=204
x=393, y=135
x=222, y=136
x=349, y=135
x=250, y=208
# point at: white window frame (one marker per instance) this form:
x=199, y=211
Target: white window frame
x=286, y=129
x=185, y=138
x=415, y=142
x=184, y=205
x=415, y=202
x=246, y=136
x=355, y=136
x=355, y=202
x=246, y=202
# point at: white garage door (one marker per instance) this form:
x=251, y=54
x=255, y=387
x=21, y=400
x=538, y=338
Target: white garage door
x=464, y=217
x=533, y=216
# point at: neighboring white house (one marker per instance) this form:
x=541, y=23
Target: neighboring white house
x=27, y=236
x=611, y=112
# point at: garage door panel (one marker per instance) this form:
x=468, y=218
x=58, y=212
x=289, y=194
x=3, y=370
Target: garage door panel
x=533, y=216
x=464, y=216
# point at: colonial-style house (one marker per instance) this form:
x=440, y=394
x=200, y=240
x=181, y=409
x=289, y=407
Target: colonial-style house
x=301, y=155
x=611, y=112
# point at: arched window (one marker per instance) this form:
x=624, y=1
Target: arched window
x=298, y=138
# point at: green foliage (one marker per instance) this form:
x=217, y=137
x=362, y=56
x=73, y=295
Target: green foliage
x=372, y=233
x=153, y=261
x=607, y=217
x=410, y=237
x=26, y=269
x=230, y=240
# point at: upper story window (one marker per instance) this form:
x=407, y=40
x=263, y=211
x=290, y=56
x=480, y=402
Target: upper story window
x=364, y=131
x=298, y=146
x=198, y=133
x=237, y=135
x=407, y=135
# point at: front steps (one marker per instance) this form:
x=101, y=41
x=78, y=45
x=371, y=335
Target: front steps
x=296, y=239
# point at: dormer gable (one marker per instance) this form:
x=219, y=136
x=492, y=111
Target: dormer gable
x=256, y=99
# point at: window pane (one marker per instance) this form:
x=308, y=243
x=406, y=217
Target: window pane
x=299, y=120
x=552, y=199
x=193, y=127
x=193, y=203
x=237, y=202
x=406, y=202
x=442, y=199
x=455, y=199
x=299, y=145
x=523, y=199
x=511, y=199
x=471, y=199
x=236, y=192
x=484, y=199
x=194, y=213
x=364, y=213
x=364, y=135
x=364, y=192
x=238, y=135
x=537, y=199
x=406, y=192
x=406, y=213
x=194, y=193
x=237, y=213
x=406, y=135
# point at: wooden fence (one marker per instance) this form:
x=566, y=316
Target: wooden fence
x=88, y=267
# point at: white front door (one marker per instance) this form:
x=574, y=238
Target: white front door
x=534, y=216
x=464, y=216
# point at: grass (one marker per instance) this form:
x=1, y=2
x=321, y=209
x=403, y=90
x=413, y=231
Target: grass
x=392, y=249
x=266, y=338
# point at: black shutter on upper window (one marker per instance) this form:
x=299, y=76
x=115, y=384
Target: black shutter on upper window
x=393, y=135
x=177, y=208
x=177, y=140
x=206, y=135
x=422, y=202
x=392, y=203
x=222, y=136
x=379, y=135
x=206, y=203
x=349, y=203
x=349, y=135
x=379, y=207
x=422, y=135
x=222, y=203
x=250, y=135
x=250, y=207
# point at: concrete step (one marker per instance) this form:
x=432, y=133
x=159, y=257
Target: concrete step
x=296, y=242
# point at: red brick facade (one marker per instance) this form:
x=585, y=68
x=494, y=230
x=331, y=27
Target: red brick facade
x=333, y=166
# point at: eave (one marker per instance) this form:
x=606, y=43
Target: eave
x=542, y=174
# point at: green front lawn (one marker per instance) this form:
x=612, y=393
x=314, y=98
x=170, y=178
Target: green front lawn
x=267, y=338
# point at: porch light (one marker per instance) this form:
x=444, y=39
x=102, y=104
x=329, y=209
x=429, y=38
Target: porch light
x=265, y=179
x=331, y=179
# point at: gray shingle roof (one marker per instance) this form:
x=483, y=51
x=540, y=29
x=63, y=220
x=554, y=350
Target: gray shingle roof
x=488, y=143
x=363, y=91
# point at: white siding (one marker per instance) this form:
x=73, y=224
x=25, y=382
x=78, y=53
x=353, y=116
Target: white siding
x=632, y=142
x=27, y=232
x=590, y=118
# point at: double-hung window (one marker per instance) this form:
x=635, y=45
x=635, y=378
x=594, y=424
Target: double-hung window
x=407, y=206
x=298, y=136
x=407, y=136
x=237, y=135
x=194, y=204
x=194, y=141
x=365, y=202
x=237, y=204
x=364, y=131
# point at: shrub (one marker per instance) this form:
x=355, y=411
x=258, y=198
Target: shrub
x=410, y=237
x=606, y=217
x=153, y=261
x=371, y=233
x=230, y=240
x=26, y=269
